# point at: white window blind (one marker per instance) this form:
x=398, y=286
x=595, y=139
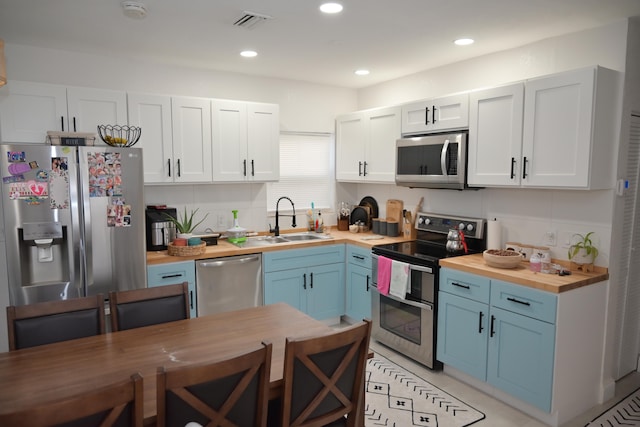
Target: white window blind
x=306, y=172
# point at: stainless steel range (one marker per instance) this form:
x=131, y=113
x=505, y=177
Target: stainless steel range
x=409, y=325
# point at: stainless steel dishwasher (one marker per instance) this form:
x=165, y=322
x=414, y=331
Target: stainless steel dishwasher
x=228, y=283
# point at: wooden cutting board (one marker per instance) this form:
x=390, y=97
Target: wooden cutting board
x=394, y=210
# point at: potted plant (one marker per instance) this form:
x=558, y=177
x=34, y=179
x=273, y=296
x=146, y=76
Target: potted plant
x=582, y=251
x=185, y=223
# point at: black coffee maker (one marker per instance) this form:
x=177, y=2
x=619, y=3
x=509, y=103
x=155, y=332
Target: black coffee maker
x=160, y=230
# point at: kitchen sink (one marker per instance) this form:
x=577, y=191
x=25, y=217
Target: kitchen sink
x=303, y=236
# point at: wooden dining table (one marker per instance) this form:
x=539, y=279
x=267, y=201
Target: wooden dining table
x=39, y=374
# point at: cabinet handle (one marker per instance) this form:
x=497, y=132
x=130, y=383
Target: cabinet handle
x=74, y=125
x=426, y=116
x=368, y=278
x=480, y=328
x=62, y=122
x=524, y=168
x=361, y=258
x=179, y=173
x=311, y=274
x=513, y=167
x=169, y=276
x=460, y=286
x=433, y=115
x=493, y=320
x=253, y=171
x=359, y=168
x=191, y=298
x=244, y=167
x=365, y=169
x=304, y=281
x=518, y=301
x=169, y=166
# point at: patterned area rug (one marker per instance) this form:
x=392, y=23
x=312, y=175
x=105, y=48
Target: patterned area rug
x=397, y=398
x=624, y=413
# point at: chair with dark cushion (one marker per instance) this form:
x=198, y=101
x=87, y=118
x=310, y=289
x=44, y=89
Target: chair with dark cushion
x=48, y=322
x=148, y=306
x=118, y=405
x=227, y=392
x=324, y=378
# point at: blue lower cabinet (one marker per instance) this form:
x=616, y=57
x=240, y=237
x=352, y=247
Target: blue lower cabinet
x=172, y=273
x=358, y=283
x=310, y=279
x=500, y=333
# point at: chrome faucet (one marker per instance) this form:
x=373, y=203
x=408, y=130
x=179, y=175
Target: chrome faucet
x=276, y=229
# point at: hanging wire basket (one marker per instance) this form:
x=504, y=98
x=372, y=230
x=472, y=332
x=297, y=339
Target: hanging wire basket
x=119, y=136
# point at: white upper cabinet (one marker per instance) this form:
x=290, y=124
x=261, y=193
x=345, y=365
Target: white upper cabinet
x=28, y=110
x=495, y=136
x=435, y=115
x=557, y=136
x=153, y=114
x=246, y=144
x=366, y=145
x=191, y=127
x=568, y=130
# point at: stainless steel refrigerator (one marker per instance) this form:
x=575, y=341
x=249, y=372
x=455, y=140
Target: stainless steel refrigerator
x=73, y=221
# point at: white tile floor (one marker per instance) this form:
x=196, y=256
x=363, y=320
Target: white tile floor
x=498, y=414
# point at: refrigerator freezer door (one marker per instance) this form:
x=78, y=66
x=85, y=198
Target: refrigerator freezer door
x=41, y=222
x=113, y=204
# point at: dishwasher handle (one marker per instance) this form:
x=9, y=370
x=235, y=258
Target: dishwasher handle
x=219, y=262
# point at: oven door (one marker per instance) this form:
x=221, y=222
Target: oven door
x=406, y=326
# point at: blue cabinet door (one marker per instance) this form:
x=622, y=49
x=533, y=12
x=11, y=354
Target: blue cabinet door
x=462, y=334
x=325, y=291
x=172, y=273
x=521, y=355
x=358, y=281
x=286, y=286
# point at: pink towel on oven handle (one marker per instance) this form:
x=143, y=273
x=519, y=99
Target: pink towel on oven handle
x=384, y=275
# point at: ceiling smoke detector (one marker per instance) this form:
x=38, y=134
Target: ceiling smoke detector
x=250, y=19
x=134, y=9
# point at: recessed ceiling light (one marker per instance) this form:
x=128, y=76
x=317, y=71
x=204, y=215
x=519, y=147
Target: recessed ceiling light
x=249, y=53
x=464, y=42
x=362, y=72
x=331, y=7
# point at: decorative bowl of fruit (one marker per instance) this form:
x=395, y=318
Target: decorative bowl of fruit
x=119, y=136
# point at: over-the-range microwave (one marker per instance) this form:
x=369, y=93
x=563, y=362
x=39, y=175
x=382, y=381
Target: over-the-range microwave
x=432, y=161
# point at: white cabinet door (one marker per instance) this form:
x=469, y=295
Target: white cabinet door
x=263, y=142
x=495, y=136
x=153, y=114
x=89, y=108
x=191, y=121
x=440, y=114
x=382, y=130
x=28, y=110
x=350, y=143
x=229, y=127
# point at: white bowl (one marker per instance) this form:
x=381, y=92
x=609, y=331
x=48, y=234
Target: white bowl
x=502, y=258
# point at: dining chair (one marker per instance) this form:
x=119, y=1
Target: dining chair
x=148, y=306
x=53, y=321
x=323, y=378
x=119, y=405
x=229, y=392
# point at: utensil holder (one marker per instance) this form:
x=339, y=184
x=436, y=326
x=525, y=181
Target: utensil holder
x=343, y=224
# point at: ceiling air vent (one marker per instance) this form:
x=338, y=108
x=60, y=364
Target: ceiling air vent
x=251, y=19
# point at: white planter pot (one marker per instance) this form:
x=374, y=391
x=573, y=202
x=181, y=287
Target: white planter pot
x=184, y=235
x=582, y=257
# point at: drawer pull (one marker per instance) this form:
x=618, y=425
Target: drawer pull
x=480, y=328
x=171, y=276
x=460, y=286
x=361, y=258
x=518, y=301
x=492, y=332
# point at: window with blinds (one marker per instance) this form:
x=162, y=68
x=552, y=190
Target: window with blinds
x=307, y=172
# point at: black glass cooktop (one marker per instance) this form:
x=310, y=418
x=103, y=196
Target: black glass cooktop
x=419, y=251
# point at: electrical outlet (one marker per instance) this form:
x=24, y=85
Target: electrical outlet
x=549, y=238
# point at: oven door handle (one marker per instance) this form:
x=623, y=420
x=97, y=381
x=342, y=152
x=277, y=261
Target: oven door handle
x=416, y=304
x=421, y=268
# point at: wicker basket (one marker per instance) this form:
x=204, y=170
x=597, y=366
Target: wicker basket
x=186, y=250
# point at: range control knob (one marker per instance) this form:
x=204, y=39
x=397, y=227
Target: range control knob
x=427, y=221
x=470, y=227
x=461, y=226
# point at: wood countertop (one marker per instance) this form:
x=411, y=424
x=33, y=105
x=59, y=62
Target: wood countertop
x=224, y=248
x=521, y=275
